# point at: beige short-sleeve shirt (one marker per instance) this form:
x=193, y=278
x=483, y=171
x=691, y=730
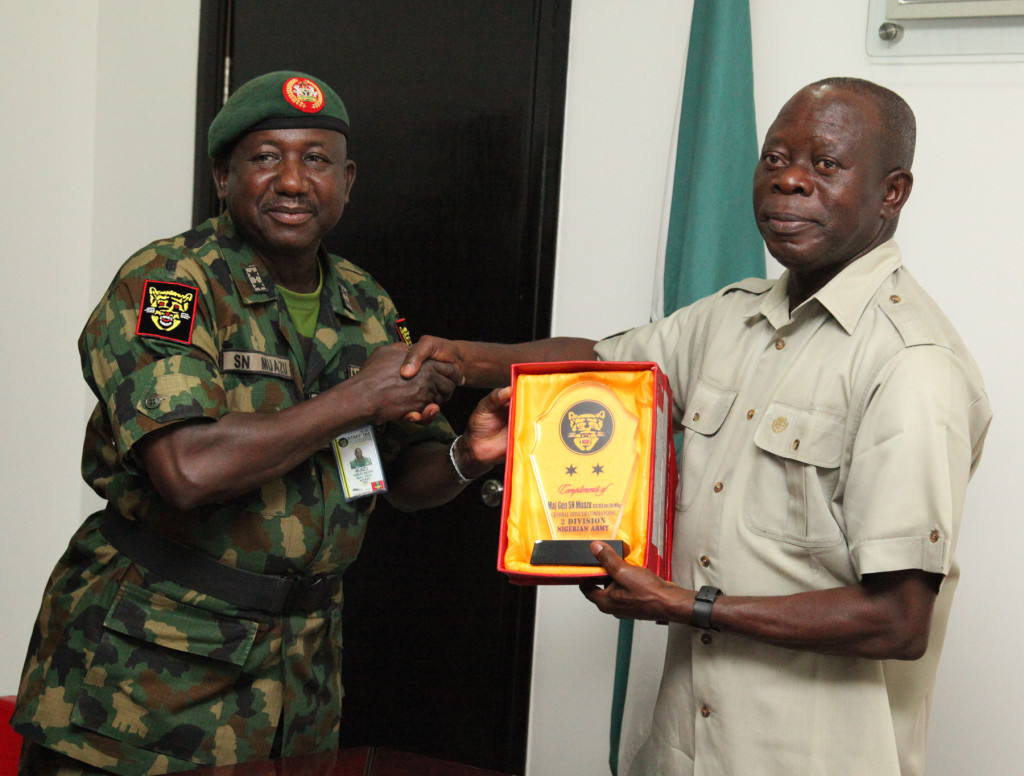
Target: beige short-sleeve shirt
x=819, y=446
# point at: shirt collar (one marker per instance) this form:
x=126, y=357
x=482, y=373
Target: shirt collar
x=250, y=274
x=255, y=284
x=846, y=296
x=341, y=294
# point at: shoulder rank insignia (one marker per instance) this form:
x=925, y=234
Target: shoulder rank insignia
x=403, y=331
x=252, y=274
x=167, y=311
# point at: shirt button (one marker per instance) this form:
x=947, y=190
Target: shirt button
x=705, y=561
x=895, y=298
x=796, y=444
x=934, y=536
x=705, y=638
x=750, y=414
x=152, y=402
x=696, y=417
x=718, y=487
x=705, y=711
x=780, y=343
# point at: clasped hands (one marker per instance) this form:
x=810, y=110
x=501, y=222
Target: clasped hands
x=412, y=382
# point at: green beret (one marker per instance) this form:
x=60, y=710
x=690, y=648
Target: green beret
x=283, y=99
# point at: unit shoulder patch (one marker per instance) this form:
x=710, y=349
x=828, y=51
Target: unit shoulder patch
x=402, y=330
x=167, y=311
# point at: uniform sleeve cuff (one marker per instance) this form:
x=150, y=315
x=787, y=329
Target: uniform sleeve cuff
x=159, y=394
x=928, y=553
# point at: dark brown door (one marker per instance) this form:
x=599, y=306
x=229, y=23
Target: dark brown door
x=456, y=110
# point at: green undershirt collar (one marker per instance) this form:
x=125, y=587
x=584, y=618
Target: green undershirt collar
x=304, y=309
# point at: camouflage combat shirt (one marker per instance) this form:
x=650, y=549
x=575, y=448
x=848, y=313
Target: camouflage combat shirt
x=129, y=671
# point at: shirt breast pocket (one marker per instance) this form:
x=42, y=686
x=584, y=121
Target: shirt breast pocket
x=706, y=410
x=795, y=476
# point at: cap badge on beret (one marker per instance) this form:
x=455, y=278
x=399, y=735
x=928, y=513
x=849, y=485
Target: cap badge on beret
x=283, y=99
x=303, y=94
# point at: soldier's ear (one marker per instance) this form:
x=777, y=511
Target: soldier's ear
x=220, y=177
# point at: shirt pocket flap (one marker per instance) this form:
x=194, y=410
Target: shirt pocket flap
x=810, y=436
x=708, y=407
x=156, y=619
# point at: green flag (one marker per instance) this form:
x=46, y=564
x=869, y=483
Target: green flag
x=712, y=239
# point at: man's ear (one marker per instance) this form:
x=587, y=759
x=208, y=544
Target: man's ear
x=349, y=177
x=220, y=176
x=898, y=184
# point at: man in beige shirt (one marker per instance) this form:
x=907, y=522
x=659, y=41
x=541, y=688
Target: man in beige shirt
x=831, y=420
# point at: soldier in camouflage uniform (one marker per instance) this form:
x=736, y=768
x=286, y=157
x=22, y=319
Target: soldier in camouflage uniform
x=196, y=621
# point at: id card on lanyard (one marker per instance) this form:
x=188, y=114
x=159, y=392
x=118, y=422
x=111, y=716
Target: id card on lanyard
x=362, y=473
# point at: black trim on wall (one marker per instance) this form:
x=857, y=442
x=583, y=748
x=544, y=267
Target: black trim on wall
x=546, y=155
x=214, y=32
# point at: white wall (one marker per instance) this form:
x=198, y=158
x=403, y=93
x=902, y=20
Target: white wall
x=961, y=238
x=46, y=225
x=98, y=129
x=626, y=63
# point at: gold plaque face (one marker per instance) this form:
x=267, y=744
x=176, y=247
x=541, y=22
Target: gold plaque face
x=580, y=466
x=584, y=460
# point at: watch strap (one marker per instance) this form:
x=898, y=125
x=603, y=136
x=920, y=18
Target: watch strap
x=701, y=617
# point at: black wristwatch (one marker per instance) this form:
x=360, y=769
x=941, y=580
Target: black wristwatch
x=701, y=618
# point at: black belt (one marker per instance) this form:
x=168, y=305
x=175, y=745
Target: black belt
x=192, y=569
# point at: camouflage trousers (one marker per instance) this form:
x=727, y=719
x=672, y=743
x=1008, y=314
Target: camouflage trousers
x=133, y=673
x=37, y=760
